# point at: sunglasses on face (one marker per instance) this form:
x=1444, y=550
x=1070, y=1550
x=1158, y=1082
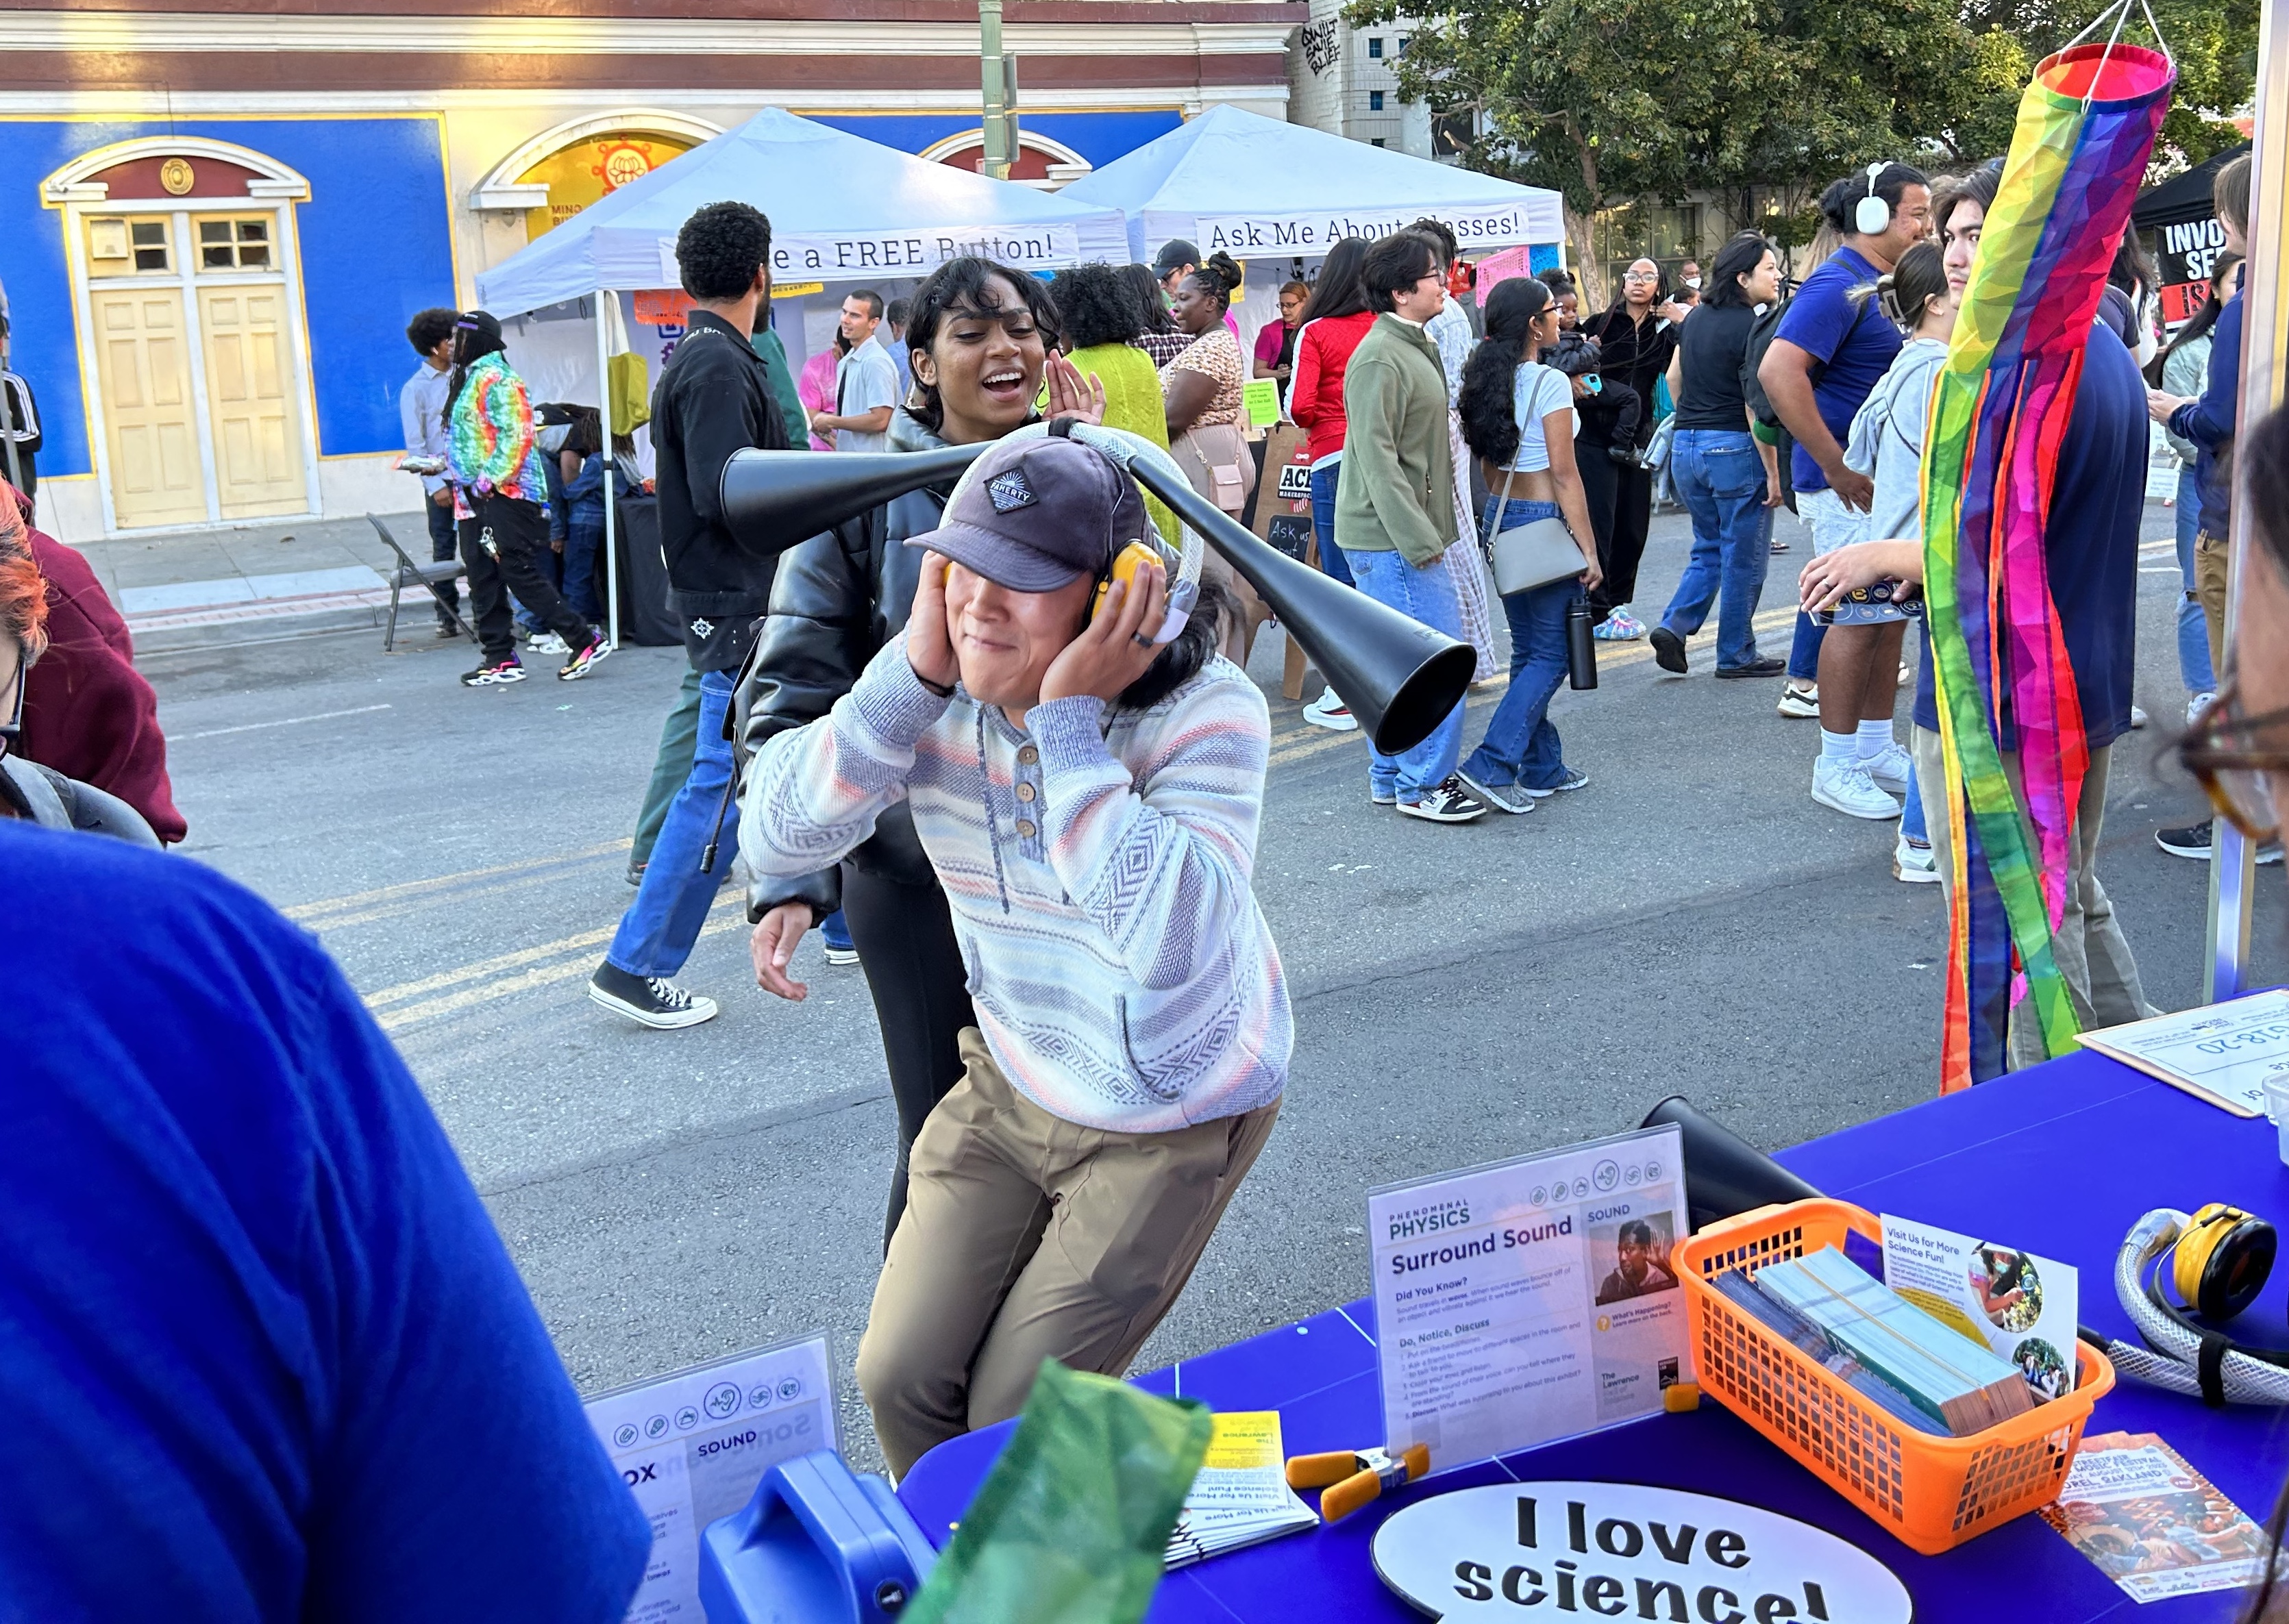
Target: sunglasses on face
x=2231, y=755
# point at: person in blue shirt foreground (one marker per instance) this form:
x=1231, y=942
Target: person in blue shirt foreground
x=2091, y=544
x=262, y=1355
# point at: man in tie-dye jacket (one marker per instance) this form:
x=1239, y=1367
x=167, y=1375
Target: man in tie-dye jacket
x=1090, y=800
x=501, y=496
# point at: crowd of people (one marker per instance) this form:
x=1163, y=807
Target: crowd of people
x=1031, y=795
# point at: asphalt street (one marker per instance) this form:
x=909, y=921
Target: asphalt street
x=1691, y=922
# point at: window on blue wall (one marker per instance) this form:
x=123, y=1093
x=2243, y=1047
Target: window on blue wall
x=1374, y=47
x=1374, y=101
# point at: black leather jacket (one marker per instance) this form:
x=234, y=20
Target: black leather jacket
x=838, y=598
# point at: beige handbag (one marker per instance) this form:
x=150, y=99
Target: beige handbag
x=1531, y=554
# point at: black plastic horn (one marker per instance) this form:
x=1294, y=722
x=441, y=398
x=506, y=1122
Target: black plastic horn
x=1725, y=1176
x=1398, y=677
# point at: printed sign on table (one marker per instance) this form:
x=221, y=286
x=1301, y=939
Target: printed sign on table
x=692, y=1446
x=1530, y=1299
x=1621, y=1550
x=2221, y=1052
x=2020, y=1306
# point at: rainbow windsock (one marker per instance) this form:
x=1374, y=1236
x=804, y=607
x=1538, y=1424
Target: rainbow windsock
x=1999, y=408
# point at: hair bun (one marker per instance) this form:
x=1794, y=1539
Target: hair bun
x=1224, y=269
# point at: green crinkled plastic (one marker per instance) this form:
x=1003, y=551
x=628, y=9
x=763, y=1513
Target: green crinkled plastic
x=1072, y=1525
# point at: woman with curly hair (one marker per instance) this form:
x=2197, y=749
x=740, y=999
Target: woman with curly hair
x=1098, y=310
x=1201, y=391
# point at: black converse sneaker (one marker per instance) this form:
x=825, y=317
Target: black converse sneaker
x=1449, y=803
x=493, y=672
x=650, y=1001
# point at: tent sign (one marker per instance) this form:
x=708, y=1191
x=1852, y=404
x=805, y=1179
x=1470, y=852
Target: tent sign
x=1242, y=236
x=1624, y=1550
x=843, y=255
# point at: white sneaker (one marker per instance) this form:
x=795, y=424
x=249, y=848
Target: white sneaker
x=2195, y=706
x=1800, y=699
x=1328, y=711
x=2137, y=716
x=548, y=643
x=1889, y=767
x=1913, y=864
x=1845, y=786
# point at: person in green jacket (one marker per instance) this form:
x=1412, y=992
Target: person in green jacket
x=779, y=376
x=1395, y=508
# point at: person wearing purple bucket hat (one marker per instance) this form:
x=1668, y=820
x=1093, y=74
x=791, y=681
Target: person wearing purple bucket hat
x=1086, y=775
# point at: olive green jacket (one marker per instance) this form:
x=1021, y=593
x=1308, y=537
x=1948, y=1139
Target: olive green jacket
x=1398, y=485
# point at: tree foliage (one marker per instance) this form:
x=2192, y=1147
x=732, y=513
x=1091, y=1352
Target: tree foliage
x=1763, y=102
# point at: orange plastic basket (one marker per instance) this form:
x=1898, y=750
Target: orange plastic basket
x=1931, y=1493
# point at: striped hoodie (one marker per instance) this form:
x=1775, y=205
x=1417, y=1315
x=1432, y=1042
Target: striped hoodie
x=1098, y=869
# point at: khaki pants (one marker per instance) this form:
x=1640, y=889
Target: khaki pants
x=2101, y=977
x=2209, y=564
x=1028, y=1237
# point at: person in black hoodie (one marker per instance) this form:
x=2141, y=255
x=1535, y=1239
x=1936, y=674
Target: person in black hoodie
x=984, y=338
x=713, y=398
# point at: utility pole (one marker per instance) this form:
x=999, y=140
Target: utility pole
x=993, y=66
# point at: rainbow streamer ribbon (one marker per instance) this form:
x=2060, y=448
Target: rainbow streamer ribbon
x=1999, y=409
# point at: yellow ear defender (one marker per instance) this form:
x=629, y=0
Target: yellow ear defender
x=1125, y=565
x=2222, y=1261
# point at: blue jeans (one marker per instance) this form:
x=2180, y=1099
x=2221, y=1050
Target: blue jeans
x=1804, y=653
x=584, y=539
x=1520, y=746
x=1911, y=813
x=2193, y=632
x=1721, y=481
x=1427, y=595
x=1323, y=523
x=836, y=933
x=656, y=932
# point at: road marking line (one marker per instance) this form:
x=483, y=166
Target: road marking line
x=486, y=967
x=305, y=912
x=470, y=998
x=285, y=722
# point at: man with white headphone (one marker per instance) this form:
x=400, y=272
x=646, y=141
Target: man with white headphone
x=1832, y=346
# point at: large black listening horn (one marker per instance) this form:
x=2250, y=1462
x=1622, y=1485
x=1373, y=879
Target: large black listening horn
x=1399, y=678
x=1724, y=1175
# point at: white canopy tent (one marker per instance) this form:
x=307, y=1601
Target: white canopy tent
x=842, y=208
x=1254, y=188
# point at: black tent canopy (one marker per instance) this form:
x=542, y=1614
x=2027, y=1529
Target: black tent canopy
x=2182, y=198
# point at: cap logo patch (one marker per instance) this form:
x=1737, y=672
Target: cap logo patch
x=1009, y=491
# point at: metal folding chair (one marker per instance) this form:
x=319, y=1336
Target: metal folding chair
x=434, y=577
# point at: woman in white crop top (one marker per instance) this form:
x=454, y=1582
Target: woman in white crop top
x=1518, y=419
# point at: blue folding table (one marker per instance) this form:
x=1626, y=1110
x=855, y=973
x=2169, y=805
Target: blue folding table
x=2061, y=1159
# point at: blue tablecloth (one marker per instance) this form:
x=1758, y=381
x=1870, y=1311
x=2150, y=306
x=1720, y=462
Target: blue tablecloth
x=2061, y=1159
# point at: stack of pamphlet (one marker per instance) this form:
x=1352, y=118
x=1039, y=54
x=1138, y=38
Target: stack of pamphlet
x=1962, y=1385
x=1240, y=1496
x=1813, y=1342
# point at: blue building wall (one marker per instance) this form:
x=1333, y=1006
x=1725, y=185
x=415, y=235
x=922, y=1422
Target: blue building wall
x=1098, y=137
x=376, y=245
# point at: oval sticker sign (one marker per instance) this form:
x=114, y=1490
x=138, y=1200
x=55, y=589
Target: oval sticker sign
x=1621, y=1551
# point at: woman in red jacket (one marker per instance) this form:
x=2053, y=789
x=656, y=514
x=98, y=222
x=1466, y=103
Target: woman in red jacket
x=88, y=713
x=1333, y=322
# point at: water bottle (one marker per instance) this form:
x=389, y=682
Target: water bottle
x=1581, y=648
